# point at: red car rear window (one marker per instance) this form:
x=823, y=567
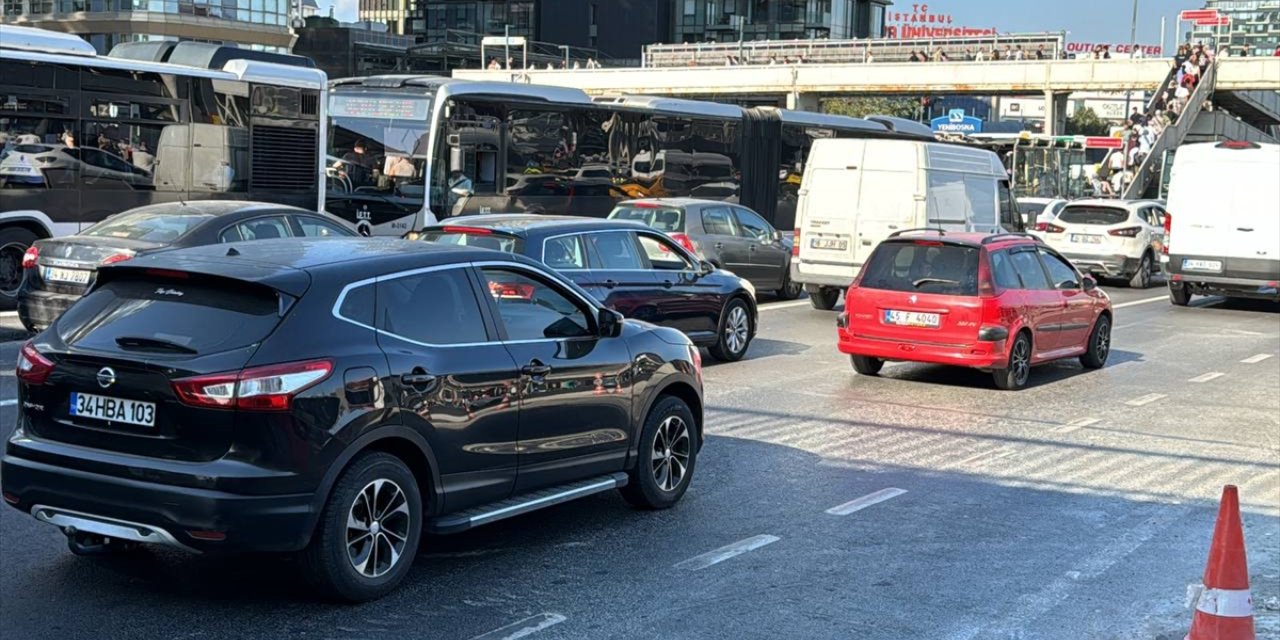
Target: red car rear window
x=923, y=267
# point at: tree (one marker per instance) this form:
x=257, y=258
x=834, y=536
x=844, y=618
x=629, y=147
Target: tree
x=863, y=106
x=1085, y=122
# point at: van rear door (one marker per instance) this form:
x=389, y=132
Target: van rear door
x=887, y=204
x=829, y=217
x=1223, y=203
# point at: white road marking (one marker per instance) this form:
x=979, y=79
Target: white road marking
x=726, y=552
x=8, y=403
x=988, y=456
x=8, y=314
x=1076, y=425
x=784, y=305
x=523, y=628
x=1256, y=359
x=866, y=501
x=1135, y=303
x=1205, y=377
x=1144, y=400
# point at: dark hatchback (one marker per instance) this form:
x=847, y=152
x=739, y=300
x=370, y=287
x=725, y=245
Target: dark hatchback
x=339, y=398
x=630, y=267
x=59, y=270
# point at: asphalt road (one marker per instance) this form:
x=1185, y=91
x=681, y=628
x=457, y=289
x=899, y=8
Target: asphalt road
x=920, y=504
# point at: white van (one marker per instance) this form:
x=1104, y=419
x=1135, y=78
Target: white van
x=856, y=192
x=1222, y=225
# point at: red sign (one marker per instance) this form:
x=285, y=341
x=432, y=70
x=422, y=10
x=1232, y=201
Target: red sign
x=1098, y=142
x=919, y=22
x=1224, y=21
x=1195, y=15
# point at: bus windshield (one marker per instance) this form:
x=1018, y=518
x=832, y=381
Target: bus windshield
x=378, y=146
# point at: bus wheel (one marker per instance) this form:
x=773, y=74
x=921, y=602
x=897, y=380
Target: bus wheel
x=13, y=244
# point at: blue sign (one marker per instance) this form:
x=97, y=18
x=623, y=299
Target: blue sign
x=957, y=122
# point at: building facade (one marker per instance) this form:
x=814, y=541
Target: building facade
x=393, y=13
x=259, y=24
x=731, y=20
x=1254, y=28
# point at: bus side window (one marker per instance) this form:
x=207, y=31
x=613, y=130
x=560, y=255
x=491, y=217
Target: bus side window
x=1009, y=217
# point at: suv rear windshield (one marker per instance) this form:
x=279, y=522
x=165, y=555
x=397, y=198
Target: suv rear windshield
x=923, y=266
x=171, y=315
x=1093, y=215
x=151, y=227
x=666, y=219
x=479, y=238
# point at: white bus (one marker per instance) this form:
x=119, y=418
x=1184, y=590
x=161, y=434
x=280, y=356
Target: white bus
x=85, y=136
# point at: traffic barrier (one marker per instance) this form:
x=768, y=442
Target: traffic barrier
x=1224, y=607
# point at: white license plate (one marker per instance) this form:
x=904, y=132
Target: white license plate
x=912, y=319
x=830, y=244
x=1085, y=239
x=87, y=405
x=74, y=276
x=1202, y=265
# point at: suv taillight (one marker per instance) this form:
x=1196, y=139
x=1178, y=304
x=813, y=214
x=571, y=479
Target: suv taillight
x=29, y=258
x=1127, y=232
x=33, y=368
x=1049, y=227
x=269, y=388
x=1168, y=227
x=795, y=244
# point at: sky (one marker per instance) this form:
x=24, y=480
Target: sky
x=1087, y=20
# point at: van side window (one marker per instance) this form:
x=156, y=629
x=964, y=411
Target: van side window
x=982, y=201
x=1009, y=218
x=948, y=202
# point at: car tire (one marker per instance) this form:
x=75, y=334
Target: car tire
x=1017, y=371
x=379, y=493
x=1099, y=347
x=1141, y=279
x=735, y=332
x=790, y=289
x=1179, y=294
x=668, y=456
x=867, y=366
x=14, y=242
x=823, y=298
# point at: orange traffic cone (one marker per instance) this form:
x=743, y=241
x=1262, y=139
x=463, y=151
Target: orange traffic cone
x=1224, y=608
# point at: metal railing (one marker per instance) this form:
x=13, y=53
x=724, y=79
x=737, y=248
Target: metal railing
x=1173, y=135
x=757, y=52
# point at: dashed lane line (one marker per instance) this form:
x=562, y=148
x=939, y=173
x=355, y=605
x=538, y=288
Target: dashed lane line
x=1205, y=377
x=859, y=504
x=784, y=305
x=1134, y=303
x=523, y=628
x=1145, y=400
x=1076, y=425
x=988, y=456
x=726, y=552
x=1258, y=358
x=8, y=403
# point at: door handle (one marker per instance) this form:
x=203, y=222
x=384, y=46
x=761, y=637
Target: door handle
x=1244, y=229
x=719, y=245
x=535, y=369
x=609, y=284
x=418, y=378
x=753, y=247
x=668, y=284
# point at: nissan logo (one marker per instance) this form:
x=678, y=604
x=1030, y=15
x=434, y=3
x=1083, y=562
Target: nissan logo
x=106, y=377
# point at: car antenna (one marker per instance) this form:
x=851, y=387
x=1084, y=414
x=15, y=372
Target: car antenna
x=232, y=252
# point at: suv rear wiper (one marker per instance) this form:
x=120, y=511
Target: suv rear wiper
x=921, y=281
x=153, y=343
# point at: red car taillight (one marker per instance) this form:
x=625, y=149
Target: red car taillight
x=1168, y=227
x=1050, y=228
x=269, y=388
x=795, y=244
x=29, y=258
x=33, y=368
x=119, y=257
x=1127, y=232
x=684, y=241
x=986, y=287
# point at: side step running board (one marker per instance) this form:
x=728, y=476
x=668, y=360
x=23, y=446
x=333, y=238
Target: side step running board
x=517, y=505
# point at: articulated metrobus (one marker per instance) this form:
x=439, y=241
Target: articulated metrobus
x=85, y=136
x=407, y=151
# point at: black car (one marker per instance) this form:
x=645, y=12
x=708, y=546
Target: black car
x=724, y=234
x=628, y=266
x=339, y=398
x=59, y=270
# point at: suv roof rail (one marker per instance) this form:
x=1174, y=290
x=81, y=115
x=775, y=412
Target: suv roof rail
x=1010, y=234
x=938, y=230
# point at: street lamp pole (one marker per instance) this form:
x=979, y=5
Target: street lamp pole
x=506, y=46
x=565, y=48
x=1133, y=42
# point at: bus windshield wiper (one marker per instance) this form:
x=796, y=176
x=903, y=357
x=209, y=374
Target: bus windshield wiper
x=923, y=281
x=138, y=342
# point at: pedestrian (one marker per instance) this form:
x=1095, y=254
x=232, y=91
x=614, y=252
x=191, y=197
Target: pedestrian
x=1135, y=118
x=968, y=54
x=980, y=56
x=773, y=60
x=1008, y=53
x=1137, y=52
x=1041, y=54
x=1019, y=54
x=1276, y=53
x=938, y=55
x=995, y=54
x=1244, y=51
x=494, y=65
x=1106, y=52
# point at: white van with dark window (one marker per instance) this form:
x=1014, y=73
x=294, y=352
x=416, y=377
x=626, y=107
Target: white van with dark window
x=856, y=192
x=1222, y=225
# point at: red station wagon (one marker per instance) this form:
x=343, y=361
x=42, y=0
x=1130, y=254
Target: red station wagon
x=1000, y=303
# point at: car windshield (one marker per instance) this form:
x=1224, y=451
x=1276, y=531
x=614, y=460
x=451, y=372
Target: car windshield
x=1093, y=215
x=479, y=238
x=923, y=266
x=378, y=146
x=661, y=218
x=149, y=227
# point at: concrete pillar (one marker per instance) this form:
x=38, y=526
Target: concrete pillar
x=803, y=102
x=1055, y=113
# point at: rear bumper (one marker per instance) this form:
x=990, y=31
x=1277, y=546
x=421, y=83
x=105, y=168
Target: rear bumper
x=979, y=355
x=1241, y=278
x=1104, y=265
x=66, y=496
x=38, y=309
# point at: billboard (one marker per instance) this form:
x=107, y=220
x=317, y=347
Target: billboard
x=919, y=22
x=957, y=122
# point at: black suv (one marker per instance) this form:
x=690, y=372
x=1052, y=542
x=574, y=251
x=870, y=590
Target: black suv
x=339, y=398
x=631, y=268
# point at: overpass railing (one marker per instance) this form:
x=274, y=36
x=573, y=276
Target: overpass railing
x=1173, y=134
x=758, y=52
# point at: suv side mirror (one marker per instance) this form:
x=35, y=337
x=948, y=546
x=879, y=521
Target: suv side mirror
x=609, y=323
x=1089, y=283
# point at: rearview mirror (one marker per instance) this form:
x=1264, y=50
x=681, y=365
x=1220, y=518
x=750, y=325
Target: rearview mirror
x=609, y=323
x=777, y=236
x=1090, y=284
x=705, y=268
x=1068, y=285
